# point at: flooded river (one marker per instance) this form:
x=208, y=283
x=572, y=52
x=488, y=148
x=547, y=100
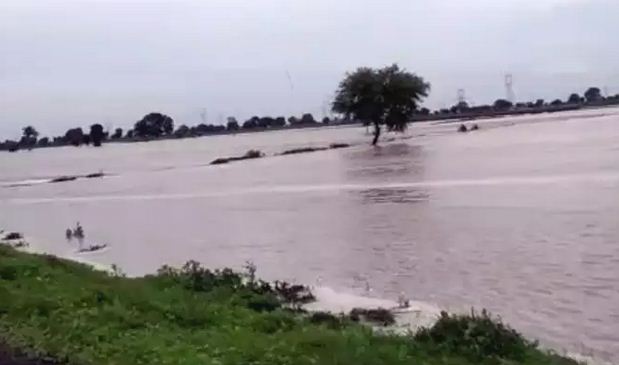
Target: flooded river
x=520, y=217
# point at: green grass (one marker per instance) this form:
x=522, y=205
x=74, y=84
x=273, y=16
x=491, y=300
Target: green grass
x=61, y=310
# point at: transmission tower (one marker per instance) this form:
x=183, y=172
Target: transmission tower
x=461, y=96
x=509, y=88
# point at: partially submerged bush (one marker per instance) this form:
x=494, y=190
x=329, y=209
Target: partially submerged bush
x=13, y=236
x=63, y=179
x=251, y=154
x=476, y=335
x=294, y=151
x=338, y=145
x=94, y=175
x=380, y=316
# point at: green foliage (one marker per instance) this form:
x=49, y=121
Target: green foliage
x=387, y=96
x=476, y=335
x=66, y=312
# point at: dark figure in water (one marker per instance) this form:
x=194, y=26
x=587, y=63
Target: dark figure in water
x=462, y=128
x=78, y=232
x=68, y=234
x=474, y=127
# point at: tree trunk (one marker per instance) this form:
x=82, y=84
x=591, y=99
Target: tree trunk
x=376, y=134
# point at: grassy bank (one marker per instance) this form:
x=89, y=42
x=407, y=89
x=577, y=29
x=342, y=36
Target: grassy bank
x=68, y=313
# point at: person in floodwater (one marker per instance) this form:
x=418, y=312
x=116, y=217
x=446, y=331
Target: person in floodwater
x=68, y=234
x=78, y=233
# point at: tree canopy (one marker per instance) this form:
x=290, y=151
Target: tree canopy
x=118, y=133
x=30, y=132
x=502, y=104
x=574, y=99
x=74, y=136
x=96, y=134
x=593, y=94
x=154, y=125
x=387, y=96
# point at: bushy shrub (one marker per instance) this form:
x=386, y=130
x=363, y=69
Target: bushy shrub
x=476, y=335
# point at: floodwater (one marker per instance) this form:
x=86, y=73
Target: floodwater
x=520, y=217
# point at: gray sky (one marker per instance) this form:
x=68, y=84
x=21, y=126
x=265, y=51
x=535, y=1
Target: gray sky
x=70, y=63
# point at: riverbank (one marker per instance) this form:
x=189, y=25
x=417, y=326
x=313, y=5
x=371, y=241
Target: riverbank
x=58, y=311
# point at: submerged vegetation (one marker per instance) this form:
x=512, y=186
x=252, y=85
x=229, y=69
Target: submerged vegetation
x=60, y=311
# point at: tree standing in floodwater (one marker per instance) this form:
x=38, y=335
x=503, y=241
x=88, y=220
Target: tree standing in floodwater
x=388, y=96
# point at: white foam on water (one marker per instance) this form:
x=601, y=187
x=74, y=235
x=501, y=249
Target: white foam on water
x=417, y=315
x=408, y=320
x=585, y=359
x=28, y=182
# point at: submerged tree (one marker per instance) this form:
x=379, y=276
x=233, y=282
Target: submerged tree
x=29, y=137
x=593, y=94
x=154, y=125
x=574, y=99
x=74, y=136
x=118, y=133
x=96, y=134
x=387, y=96
x=30, y=132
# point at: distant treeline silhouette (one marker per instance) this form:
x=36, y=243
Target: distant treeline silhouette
x=157, y=125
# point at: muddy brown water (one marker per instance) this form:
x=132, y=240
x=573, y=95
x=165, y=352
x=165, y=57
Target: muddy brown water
x=520, y=217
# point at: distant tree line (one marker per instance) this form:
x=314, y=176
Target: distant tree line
x=592, y=97
x=366, y=95
x=152, y=126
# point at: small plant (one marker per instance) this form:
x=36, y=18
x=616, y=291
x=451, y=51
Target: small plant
x=117, y=271
x=250, y=272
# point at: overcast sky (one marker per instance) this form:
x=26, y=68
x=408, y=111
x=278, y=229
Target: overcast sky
x=70, y=63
